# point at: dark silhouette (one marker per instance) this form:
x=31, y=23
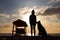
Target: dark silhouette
x=19, y=23
x=32, y=22
x=41, y=29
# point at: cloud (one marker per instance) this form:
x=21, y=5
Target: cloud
x=52, y=7
x=26, y=9
x=58, y=16
x=6, y=25
x=54, y=1
x=42, y=9
x=4, y=15
x=55, y=4
x=52, y=11
x=23, y=10
x=4, y=18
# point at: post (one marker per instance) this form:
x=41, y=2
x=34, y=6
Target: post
x=13, y=30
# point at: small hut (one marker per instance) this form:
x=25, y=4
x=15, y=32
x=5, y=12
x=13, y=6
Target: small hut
x=18, y=24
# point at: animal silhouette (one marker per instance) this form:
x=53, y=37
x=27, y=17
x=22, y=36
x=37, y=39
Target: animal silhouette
x=41, y=29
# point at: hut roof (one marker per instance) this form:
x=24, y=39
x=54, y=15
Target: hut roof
x=20, y=23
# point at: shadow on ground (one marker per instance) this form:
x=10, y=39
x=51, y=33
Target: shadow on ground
x=29, y=38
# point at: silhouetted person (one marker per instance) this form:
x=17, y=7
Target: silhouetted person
x=41, y=29
x=32, y=20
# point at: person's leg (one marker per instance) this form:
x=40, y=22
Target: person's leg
x=31, y=30
x=34, y=30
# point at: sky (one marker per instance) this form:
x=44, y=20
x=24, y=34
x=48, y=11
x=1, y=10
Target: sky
x=47, y=11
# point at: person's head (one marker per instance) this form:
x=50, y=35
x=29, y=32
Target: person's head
x=38, y=21
x=33, y=12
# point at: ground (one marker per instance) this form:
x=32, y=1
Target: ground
x=29, y=38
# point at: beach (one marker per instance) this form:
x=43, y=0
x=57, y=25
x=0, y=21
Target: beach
x=10, y=37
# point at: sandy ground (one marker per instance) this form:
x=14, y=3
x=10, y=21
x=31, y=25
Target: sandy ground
x=29, y=38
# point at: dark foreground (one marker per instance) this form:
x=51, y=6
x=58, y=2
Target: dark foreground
x=29, y=38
